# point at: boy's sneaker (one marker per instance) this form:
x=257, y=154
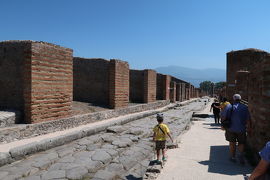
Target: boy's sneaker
x=232, y=159
x=164, y=159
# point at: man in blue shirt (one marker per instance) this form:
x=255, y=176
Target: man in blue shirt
x=239, y=116
x=261, y=169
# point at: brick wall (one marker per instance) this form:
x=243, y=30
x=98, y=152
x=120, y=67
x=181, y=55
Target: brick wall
x=43, y=74
x=242, y=84
x=91, y=80
x=163, y=87
x=178, y=92
x=150, y=85
x=143, y=86
x=259, y=104
x=173, y=91
x=12, y=65
x=188, y=89
x=166, y=85
x=241, y=60
x=136, y=90
x=118, y=84
x=183, y=91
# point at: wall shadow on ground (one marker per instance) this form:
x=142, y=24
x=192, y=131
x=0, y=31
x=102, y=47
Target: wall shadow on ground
x=219, y=163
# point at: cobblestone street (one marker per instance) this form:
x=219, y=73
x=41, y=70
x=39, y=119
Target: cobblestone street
x=122, y=152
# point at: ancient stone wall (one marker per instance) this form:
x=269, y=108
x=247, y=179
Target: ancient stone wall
x=91, y=80
x=12, y=67
x=241, y=84
x=118, y=84
x=44, y=85
x=183, y=91
x=178, y=92
x=173, y=91
x=143, y=86
x=136, y=90
x=163, y=87
x=150, y=85
x=242, y=60
x=259, y=104
x=188, y=89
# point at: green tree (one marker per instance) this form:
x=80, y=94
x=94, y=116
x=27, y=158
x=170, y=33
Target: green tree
x=220, y=85
x=206, y=86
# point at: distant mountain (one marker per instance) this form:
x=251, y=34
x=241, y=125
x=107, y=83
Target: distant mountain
x=194, y=76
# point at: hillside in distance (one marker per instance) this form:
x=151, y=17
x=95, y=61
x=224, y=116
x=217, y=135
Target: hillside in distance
x=194, y=76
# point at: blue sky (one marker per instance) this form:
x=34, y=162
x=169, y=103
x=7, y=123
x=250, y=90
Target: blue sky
x=146, y=33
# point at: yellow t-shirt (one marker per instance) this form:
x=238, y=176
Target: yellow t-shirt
x=224, y=104
x=160, y=136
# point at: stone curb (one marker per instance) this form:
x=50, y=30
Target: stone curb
x=19, y=152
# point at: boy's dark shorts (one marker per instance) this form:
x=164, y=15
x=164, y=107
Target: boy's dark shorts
x=236, y=137
x=160, y=145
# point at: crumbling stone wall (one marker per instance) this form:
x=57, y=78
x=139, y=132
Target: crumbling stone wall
x=242, y=60
x=40, y=82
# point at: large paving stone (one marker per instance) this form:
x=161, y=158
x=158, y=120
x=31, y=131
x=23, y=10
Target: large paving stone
x=76, y=173
x=115, y=167
x=92, y=147
x=102, y=156
x=136, y=131
x=104, y=175
x=112, y=152
x=3, y=174
x=56, y=174
x=90, y=165
x=32, y=178
x=122, y=143
x=109, y=137
x=63, y=166
x=116, y=129
x=127, y=162
x=83, y=155
x=67, y=159
x=66, y=152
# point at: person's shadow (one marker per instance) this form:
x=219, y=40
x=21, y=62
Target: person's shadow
x=219, y=163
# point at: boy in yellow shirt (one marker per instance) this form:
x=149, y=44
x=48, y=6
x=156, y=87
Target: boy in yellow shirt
x=161, y=131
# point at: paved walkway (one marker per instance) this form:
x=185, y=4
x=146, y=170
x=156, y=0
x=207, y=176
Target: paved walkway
x=202, y=155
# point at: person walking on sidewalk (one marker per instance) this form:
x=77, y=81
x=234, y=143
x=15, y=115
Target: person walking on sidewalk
x=238, y=114
x=216, y=110
x=161, y=131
